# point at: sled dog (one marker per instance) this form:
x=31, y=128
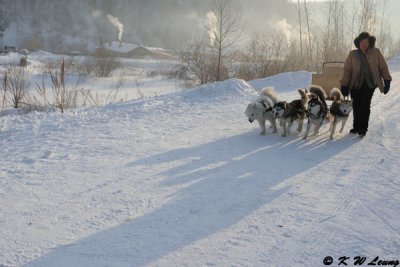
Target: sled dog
x=261, y=109
x=287, y=113
x=339, y=111
x=317, y=109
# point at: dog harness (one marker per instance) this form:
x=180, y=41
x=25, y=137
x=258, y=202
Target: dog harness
x=335, y=110
x=294, y=113
x=265, y=106
x=322, y=112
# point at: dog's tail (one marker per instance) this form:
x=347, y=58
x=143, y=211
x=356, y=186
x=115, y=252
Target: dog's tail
x=304, y=97
x=270, y=93
x=336, y=94
x=317, y=90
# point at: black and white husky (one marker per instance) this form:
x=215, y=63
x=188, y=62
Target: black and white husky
x=261, y=109
x=287, y=113
x=317, y=109
x=339, y=111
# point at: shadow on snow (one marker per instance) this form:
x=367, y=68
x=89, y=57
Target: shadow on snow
x=221, y=182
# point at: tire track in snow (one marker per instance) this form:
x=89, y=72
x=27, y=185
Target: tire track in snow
x=347, y=204
x=342, y=207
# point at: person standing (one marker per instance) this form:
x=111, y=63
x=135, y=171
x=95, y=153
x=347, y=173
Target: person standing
x=365, y=70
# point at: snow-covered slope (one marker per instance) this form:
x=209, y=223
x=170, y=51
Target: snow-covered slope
x=284, y=82
x=184, y=180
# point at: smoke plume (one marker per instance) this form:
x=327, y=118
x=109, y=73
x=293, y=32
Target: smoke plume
x=120, y=27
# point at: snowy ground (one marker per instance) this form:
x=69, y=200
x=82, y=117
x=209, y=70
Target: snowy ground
x=183, y=179
x=138, y=78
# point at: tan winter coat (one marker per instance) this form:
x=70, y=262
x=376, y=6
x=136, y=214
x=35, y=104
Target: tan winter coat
x=378, y=66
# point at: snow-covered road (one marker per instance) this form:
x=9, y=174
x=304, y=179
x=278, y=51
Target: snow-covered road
x=184, y=180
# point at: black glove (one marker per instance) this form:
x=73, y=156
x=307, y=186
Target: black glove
x=345, y=90
x=387, y=86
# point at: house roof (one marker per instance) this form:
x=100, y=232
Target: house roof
x=156, y=49
x=125, y=47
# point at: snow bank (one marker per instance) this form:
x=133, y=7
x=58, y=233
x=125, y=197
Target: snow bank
x=226, y=89
x=212, y=95
x=9, y=59
x=284, y=82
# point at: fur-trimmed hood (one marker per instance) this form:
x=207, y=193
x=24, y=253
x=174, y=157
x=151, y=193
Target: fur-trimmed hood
x=363, y=36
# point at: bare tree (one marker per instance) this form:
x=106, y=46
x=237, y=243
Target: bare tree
x=267, y=54
x=353, y=14
x=368, y=16
x=334, y=41
x=197, y=61
x=3, y=20
x=300, y=29
x=307, y=14
x=223, y=27
x=383, y=26
x=384, y=33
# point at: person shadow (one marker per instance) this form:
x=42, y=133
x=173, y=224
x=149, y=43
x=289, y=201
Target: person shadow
x=219, y=183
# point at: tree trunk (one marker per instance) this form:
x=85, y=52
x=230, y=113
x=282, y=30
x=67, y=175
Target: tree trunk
x=301, y=41
x=308, y=33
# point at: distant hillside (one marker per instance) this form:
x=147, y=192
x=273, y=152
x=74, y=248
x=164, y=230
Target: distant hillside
x=58, y=25
x=81, y=25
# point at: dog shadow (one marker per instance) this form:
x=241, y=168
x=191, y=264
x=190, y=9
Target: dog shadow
x=221, y=182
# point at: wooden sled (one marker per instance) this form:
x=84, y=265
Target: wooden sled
x=330, y=78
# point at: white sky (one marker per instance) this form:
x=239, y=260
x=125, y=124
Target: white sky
x=393, y=10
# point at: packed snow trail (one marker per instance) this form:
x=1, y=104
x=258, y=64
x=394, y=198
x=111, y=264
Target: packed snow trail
x=184, y=180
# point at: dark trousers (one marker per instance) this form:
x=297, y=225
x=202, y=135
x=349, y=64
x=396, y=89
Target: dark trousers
x=361, y=107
